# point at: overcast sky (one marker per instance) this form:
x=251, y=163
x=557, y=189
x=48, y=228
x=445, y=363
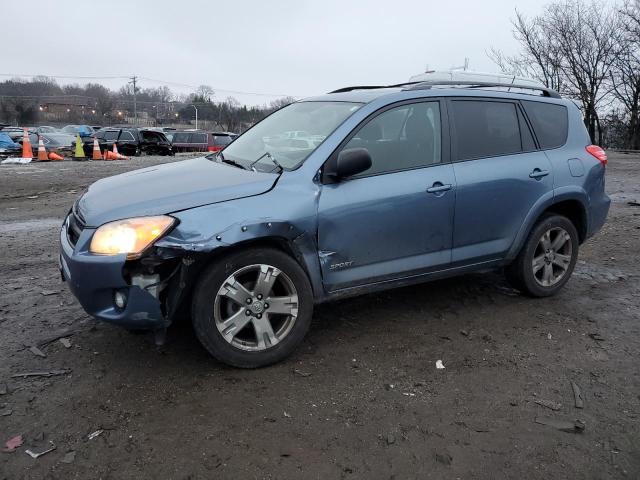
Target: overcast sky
x=296, y=48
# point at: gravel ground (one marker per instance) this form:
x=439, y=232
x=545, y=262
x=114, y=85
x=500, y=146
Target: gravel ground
x=361, y=398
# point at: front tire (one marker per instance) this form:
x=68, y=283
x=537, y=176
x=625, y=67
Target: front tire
x=547, y=259
x=252, y=308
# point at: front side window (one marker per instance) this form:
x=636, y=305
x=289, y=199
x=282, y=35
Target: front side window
x=485, y=129
x=271, y=138
x=402, y=138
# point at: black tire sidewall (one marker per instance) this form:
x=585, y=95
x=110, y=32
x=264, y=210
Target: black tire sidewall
x=525, y=267
x=204, y=296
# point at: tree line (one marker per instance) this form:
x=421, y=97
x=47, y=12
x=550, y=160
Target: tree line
x=25, y=102
x=589, y=52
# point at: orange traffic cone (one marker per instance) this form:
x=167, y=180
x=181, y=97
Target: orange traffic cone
x=55, y=156
x=115, y=149
x=96, y=150
x=27, y=152
x=109, y=155
x=42, y=152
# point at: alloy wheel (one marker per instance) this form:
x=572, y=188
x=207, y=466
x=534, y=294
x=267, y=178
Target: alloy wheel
x=552, y=257
x=256, y=307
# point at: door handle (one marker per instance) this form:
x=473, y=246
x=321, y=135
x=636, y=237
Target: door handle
x=538, y=174
x=439, y=187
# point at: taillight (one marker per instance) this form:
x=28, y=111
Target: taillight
x=214, y=148
x=598, y=152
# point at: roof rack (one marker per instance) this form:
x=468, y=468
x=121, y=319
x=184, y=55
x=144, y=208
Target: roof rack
x=424, y=85
x=372, y=87
x=546, y=92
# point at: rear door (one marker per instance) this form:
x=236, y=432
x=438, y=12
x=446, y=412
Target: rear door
x=395, y=219
x=500, y=176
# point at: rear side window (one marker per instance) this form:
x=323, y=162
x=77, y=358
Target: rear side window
x=199, y=138
x=485, y=129
x=550, y=122
x=111, y=135
x=181, y=137
x=124, y=135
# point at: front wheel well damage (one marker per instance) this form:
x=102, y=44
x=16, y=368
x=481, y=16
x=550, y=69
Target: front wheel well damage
x=277, y=243
x=180, y=270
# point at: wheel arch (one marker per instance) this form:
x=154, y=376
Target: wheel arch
x=295, y=248
x=571, y=205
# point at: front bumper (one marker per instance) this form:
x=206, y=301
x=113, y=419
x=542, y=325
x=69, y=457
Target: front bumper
x=94, y=279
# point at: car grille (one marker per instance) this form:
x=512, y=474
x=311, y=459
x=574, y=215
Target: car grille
x=75, y=225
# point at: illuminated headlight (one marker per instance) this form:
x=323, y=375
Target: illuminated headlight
x=131, y=236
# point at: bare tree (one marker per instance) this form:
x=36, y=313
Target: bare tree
x=572, y=46
x=204, y=93
x=625, y=77
x=589, y=39
x=539, y=58
x=229, y=114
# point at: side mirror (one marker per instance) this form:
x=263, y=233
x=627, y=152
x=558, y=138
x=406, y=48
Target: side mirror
x=352, y=161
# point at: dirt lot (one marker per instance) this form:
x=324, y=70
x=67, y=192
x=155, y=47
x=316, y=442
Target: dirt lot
x=361, y=398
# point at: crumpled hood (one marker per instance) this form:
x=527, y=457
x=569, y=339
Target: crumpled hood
x=169, y=188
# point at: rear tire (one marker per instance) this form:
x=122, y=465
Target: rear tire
x=252, y=308
x=547, y=259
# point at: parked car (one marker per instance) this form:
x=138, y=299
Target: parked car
x=82, y=130
x=16, y=133
x=130, y=141
x=201, y=141
x=8, y=146
x=60, y=143
x=411, y=183
x=46, y=129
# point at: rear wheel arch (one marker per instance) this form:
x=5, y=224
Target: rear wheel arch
x=571, y=207
x=575, y=211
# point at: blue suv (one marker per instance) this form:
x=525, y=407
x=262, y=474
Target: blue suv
x=362, y=189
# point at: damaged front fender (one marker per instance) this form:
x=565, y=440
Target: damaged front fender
x=286, y=214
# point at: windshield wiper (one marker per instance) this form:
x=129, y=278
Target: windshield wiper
x=270, y=157
x=220, y=155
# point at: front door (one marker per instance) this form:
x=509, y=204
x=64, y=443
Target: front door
x=395, y=219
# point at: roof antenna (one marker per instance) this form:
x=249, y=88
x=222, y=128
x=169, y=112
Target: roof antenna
x=512, y=82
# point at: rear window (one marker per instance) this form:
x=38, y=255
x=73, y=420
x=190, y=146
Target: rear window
x=485, y=129
x=181, y=137
x=221, y=140
x=550, y=122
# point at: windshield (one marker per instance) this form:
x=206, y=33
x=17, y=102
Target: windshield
x=289, y=135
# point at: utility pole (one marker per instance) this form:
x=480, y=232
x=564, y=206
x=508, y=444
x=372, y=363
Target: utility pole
x=196, y=109
x=134, y=79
